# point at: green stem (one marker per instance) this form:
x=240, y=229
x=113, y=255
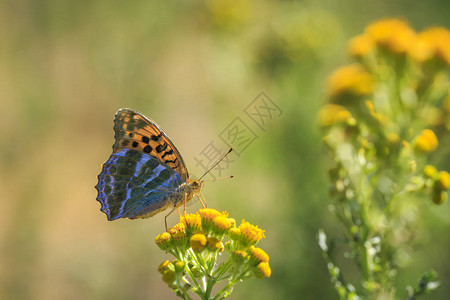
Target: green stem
x=222, y=269
x=200, y=261
x=230, y=284
x=209, y=286
x=183, y=294
x=365, y=233
x=186, y=296
x=197, y=289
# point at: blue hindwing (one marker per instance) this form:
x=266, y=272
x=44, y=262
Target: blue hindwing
x=133, y=184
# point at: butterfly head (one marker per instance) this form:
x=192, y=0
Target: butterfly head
x=187, y=191
x=195, y=185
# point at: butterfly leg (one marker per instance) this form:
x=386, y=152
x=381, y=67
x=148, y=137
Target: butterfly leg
x=165, y=218
x=204, y=200
x=200, y=200
x=185, y=200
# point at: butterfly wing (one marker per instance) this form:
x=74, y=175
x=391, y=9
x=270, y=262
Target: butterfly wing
x=135, y=185
x=135, y=131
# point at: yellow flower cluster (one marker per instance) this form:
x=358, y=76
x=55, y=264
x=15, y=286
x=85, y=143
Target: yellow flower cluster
x=332, y=114
x=192, y=222
x=433, y=43
x=201, y=235
x=350, y=80
x=444, y=180
x=439, y=181
x=361, y=46
x=382, y=103
x=380, y=121
x=250, y=234
x=392, y=34
x=397, y=37
x=426, y=141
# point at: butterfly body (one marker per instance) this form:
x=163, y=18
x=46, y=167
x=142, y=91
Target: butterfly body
x=184, y=193
x=145, y=174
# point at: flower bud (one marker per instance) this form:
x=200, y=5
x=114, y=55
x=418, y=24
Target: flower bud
x=444, y=180
x=258, y=255
x=263, y=270
x=163, y=240
x=164, y=266
x=198, y=242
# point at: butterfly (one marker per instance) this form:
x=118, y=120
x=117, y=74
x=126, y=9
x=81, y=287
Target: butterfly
x=145, y=173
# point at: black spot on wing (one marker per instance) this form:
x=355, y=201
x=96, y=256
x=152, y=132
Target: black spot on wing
x=161, y=148
x=147, y=149
x=167, y=153
x=171, y=161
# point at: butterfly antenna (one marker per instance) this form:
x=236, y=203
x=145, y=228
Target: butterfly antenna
x=231, y=149
x=228, y=177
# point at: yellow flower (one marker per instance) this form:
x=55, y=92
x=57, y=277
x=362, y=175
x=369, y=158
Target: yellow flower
x=179, y=235
x=239, y=256
x=214, y=244
x=444, y=180
x=263, y=270
x=198, y=242
x=430, y=171
x=178, y=231
x=179, y=265
x=163, y=266
x=433, y=43
x=192, y=222
x=421, y=50
x=258, y=255
x=221, y=224
x=426, y=141
x=360, y=46
x=331, y=114
x=234, y=233
x=392, y=34
x=351, y=80
x=163, y=240
x=208, y=214
x=251, y=234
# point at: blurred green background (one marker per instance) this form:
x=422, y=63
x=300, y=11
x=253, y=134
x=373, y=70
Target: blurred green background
x=66, y=67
